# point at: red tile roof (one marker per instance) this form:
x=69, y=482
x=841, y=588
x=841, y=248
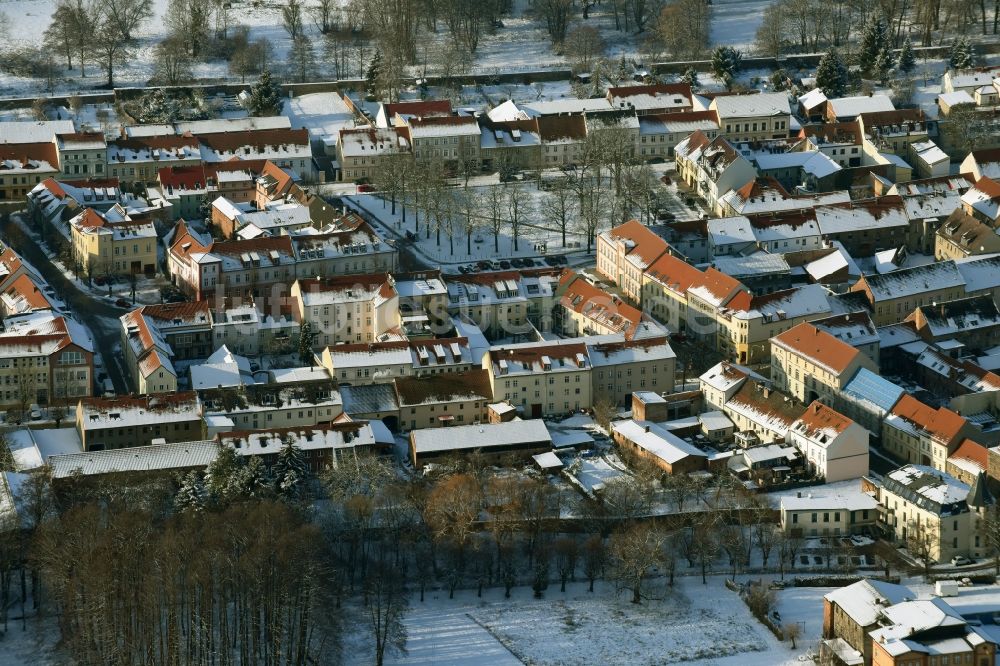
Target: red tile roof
x=943, y=424
x=817, y=346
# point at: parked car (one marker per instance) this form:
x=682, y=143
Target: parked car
x=504, y=264
x=365, y=187
x=35, y=413
x=961, y=561
x=123, y=303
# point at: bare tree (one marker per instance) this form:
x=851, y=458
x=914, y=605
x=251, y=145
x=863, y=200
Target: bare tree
x=683, y=26
x=126, y=16
x=556, y=14
x=635, y=550
x=291, y=18
x=173, y=62
x=922, y=543
x=385, y=602
x=770, y=38
x=582, y=46
x=302, y=59
x=567, y=552
x=792, y=631
x=559, y=206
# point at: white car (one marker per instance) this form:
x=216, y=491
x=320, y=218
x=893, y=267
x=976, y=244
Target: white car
x=961, y=561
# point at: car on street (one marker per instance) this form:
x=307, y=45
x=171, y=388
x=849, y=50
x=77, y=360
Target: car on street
x=123, y=303
x=961, y=561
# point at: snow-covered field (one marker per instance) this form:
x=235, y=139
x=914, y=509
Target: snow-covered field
x=692, y=623
x=522, y=44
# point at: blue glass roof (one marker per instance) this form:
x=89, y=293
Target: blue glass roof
x=866, y=385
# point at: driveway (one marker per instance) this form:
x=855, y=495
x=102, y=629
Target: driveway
x=99, y=316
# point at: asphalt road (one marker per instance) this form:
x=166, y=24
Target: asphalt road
x=96, y=314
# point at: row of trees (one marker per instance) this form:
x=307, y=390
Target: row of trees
x=604, y=189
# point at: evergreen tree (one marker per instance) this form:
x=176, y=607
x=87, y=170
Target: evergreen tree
x=690, y=77
x=191, y=495
x=220, y=478
x=265, y=96
x=831, y=75
x=962, y=55
x=374, y=72
x=883, y=64
x=874, y=40
x=254, y=479
x=907, y=58
x=726, y=62
x=779, y=80
x=306, y=337
x=290, y=470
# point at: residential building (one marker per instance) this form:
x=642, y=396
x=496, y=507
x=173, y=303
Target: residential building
x=975, y=322
x=115, y=423
x=495, y=441
x=982, y=201
x=665, y=284
x=753, y=117
x=542, y=378
x=747, y=323
x=811, y=364
x=646, y=100
x=712, y=167
x=893, y=296
x=867, y=226
x=938, y=512
x=25, y=165
x=362, y=151
x=505, y=304
x=962, y=235
x=347, y=309
x=926, y=631
x=45, y=359
x=658, y=445
x=451, y=141
x=852, y=612
x=321, y=446
x=968, y=461
x=835, y=448
x=856, y=329
x=660, y=133
x=822, y=514
x=917, y=433
x=625, y=252
x=845, y=109
x=138, y=159
x=382, y=362
x=758, y=409
x=585, y=309
x=286, y=148
x=436, y=401
x=113, y=243
x=621, y=367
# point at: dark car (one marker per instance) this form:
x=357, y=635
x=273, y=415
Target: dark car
x=504, y=264
x=123, y=303
x=484, y=265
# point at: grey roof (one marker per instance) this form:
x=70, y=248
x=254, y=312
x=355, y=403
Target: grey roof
x=156, y=457
x=369, y=399
x=866, y=386
x=485, y=436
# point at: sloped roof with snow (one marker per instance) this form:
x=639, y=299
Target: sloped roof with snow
x=656, y=440
x=752, y=105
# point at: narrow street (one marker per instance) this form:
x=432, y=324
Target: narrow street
x=100, y=317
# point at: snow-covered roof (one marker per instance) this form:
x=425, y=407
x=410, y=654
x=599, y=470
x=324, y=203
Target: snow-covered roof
x=864, y=215
x=725, y=231
x=756, y=264
x=753, y=105
x=980, y=273
x=810, y=299
x=571, y=106
x=815, y=163
x=837, y=260
x=656, y=440
x=928, y=152
x=843, y=501
x=196, y=454
x=342, y=435
x=484, y=436
x=930, y=488
x=813, y=98
x=864, y=600
x=908, y=281
x=851, y=107
x=34, y=131
x=955, y=98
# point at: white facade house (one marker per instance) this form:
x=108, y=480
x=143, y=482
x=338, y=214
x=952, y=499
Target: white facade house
x=834, y=446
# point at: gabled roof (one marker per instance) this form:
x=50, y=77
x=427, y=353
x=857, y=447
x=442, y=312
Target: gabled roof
x=818, y=347
x=942, y=424
x=755, y=104
x=643, y=246
x=821, y=423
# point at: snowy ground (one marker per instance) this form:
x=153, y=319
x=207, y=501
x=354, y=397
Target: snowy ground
x=692, y=623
